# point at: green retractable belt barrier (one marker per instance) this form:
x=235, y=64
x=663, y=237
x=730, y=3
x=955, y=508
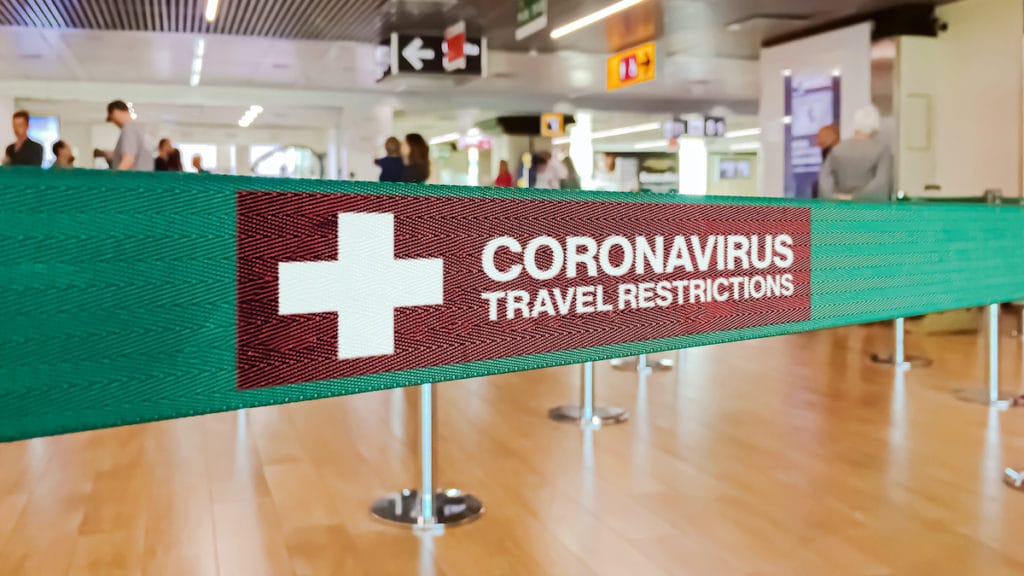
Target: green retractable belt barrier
x=134, y=297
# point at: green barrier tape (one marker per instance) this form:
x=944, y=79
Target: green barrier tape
x=120, y=292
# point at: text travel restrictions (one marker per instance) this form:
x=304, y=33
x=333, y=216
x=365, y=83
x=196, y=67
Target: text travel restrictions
x=340, y=285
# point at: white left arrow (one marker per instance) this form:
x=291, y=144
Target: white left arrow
x=415, y=53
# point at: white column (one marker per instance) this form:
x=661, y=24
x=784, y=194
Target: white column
x=693, y=166
x=581, y=149
x=362, y=140
x=226, y=159
x=333, y=152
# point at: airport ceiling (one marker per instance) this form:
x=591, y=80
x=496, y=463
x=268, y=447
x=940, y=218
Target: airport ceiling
x=687, y=26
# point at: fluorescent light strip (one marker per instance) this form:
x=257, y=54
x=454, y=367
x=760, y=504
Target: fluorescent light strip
x=745, y=146
x=626, y=130
x=198, y=50
x=250, y=115
x=650, y=144
x=450, y=137
x=592, y=18
x=211, y=10
x=743, y=133
x=614, y=132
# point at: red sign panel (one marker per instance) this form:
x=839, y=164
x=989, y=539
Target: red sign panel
x=340, y=285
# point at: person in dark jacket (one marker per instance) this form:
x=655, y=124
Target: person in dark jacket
x=168, y=157
x=417, y=165
x=24, y=151
x=391, y=166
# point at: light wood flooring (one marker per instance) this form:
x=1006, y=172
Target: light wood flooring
x=781, y=457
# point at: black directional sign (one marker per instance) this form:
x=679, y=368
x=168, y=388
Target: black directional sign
x=420, y=54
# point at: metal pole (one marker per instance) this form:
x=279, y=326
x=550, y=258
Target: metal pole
x=427, y=455
x=587, y=407
x=586, y=413
x=899, y=360
x=990, y=396
x=641, y=365
x=993, y=353
x=425, y=508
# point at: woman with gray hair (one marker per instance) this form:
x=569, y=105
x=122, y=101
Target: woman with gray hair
x=859, y=169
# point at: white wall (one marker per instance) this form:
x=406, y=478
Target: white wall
x=6, y=111
x=362, y=136
x=978, y=98
x=917, y=81
x=848, y=50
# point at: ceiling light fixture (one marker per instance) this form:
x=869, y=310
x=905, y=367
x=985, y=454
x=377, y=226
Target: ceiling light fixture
x=614, y=132
x=745, y=146
x=650, y=144
x=198, y=51
x=626, y=130
x=131, y=111
x=743, y=133
x=211, y=10
x=593, y=17
x=250, y=115
x=449, y=137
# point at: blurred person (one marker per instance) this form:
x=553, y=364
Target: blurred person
x=197, y=163
x=859, y=169
x=24, y=151
x=571, y=180
x=64, y=158
x=131, y=151
x=550, y=171
x=826, y=140
x=168, y=158
x=504, y=178
x=391, y=165
x=417, y=155
x=538, y=164
x=174, y=161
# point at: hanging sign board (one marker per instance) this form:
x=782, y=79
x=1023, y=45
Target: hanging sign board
x=531, y=17
x=420, y=54
x=633, y=66
x=552, y=125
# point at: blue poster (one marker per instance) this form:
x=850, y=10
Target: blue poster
x=812, y=103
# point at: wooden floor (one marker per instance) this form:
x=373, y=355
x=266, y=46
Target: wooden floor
x=786, y=457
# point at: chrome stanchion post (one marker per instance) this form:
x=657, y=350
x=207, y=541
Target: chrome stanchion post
x=426, y=518
x=899, y=358
x=993, y=353
x=899, y=361
x=426, y=509
x=587, y=399
x=586, y=413
x=641, y=365
x=990, y=395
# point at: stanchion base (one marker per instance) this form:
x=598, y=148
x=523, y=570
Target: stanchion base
x=981, y=396
x=910, y=361
x=632, y=364
x=451, y=507
x=1014, y=478
x=602, y=415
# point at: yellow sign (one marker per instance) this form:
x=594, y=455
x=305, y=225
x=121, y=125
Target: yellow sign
x=552, y=125
x=631, y=66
